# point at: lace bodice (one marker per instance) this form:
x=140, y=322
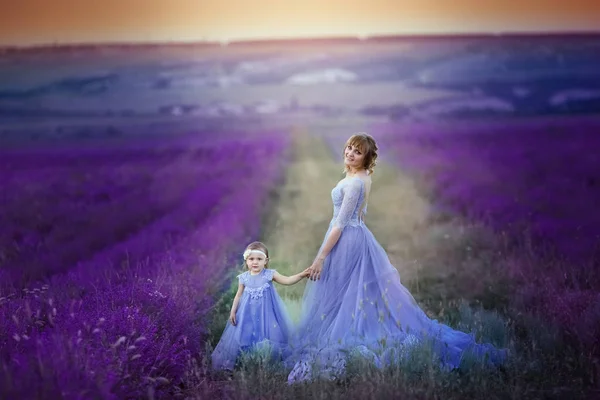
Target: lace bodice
x=348, y=196
x=255, y=285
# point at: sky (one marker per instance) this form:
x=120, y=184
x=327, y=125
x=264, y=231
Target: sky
x=26, y=22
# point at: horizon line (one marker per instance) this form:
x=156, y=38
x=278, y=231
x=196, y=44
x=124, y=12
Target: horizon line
x=305, y=39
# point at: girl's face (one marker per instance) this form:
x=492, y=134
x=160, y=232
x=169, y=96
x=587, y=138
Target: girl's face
x=354, y=157
x=256, y=262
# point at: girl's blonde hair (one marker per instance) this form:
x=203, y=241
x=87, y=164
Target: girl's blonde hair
x=367, y=145
x=258, y=246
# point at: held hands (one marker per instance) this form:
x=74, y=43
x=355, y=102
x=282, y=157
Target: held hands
x=305, y=273
x=315, y=269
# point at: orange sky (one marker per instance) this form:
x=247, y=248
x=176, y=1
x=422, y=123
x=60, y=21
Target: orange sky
x=61, y=21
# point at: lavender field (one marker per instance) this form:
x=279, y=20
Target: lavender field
x=535, y=176
x=132, y=177
x=115, y=254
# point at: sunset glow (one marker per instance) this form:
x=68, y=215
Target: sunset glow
x=67, y=21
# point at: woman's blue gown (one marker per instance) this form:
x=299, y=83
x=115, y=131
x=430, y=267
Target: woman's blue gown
x=359, y=304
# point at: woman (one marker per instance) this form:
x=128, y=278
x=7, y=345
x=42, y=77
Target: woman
x=354, y=300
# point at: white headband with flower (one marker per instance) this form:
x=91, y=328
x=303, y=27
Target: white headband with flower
x=249, y=251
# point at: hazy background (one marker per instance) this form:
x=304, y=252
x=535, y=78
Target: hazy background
x=503, y=69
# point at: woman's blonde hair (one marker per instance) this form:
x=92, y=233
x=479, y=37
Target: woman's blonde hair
x=258, y=246
x=367, y=145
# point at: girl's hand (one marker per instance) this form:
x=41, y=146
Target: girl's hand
x=316, y=267
x=306, y=272
x=232, y=318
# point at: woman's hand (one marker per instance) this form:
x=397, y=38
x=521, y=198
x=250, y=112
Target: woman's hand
x=232, y=318
x=315, y=270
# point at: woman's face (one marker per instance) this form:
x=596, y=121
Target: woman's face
x=354, y=157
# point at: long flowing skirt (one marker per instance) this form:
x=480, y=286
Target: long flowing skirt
x=359, y=304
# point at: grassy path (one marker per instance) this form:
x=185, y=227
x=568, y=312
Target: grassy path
x=295, y=229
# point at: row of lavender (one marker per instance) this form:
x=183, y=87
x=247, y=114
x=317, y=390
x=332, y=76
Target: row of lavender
x=111, y=327
x=535, y=183
x=542, y=175
x=62, y=205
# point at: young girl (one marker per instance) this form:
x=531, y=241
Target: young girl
x=258, y=315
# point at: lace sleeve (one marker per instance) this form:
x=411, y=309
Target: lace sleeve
x=351, y=196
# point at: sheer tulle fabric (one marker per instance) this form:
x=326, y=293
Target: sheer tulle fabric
x=359, y=304
x=262, y=322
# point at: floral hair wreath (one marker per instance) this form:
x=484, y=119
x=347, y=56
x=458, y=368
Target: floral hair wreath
x=250, y=251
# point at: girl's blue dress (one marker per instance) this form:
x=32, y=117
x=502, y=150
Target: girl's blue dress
x=262, y=320
x=359, y=304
